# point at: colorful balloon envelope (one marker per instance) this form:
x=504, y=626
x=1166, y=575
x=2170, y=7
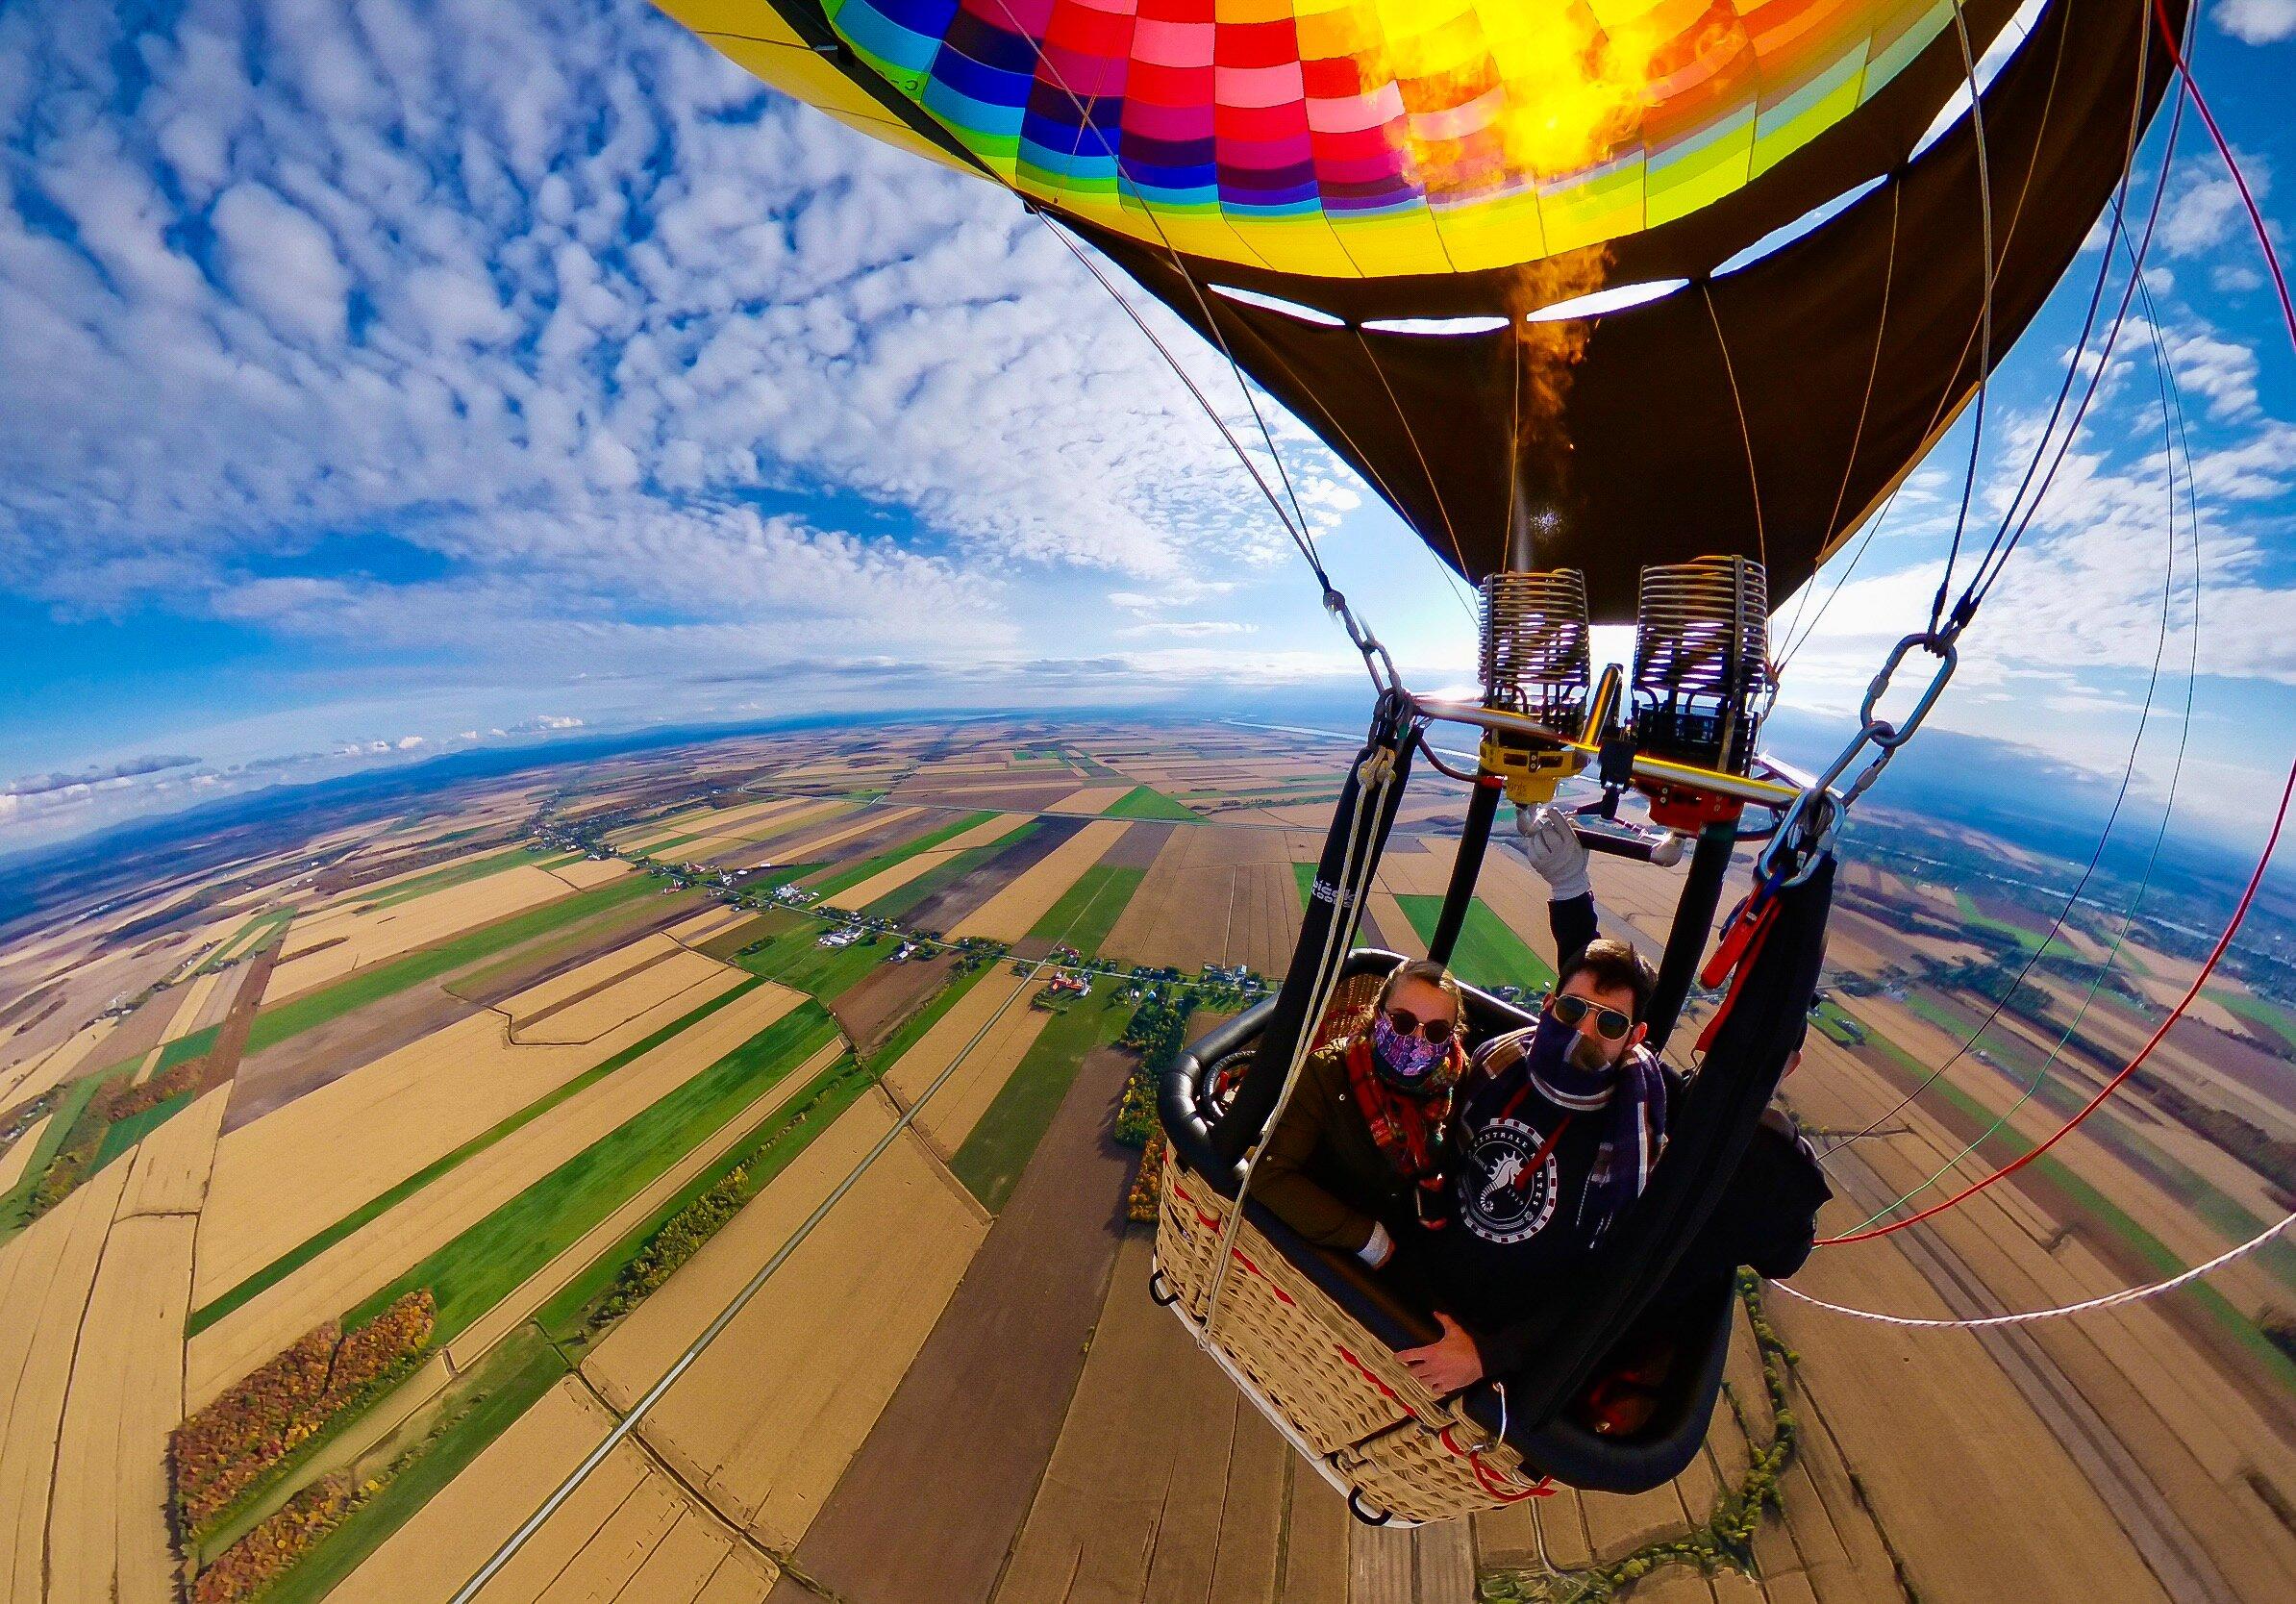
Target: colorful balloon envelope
x=1599, y=283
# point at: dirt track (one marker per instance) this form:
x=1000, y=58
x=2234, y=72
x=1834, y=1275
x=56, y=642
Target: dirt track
x=991, y=1386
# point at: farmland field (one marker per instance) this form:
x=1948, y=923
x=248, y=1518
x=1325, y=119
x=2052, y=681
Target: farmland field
x=563, y=1060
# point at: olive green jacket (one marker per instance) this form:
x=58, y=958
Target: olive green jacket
x=1321, y=1172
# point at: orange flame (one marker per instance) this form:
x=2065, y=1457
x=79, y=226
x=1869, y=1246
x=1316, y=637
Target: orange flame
x=1506, y=93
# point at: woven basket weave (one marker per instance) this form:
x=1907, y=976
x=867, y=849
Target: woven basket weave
x=1324, y=1376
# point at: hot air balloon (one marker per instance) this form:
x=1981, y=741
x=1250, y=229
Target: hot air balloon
x=1633, y=310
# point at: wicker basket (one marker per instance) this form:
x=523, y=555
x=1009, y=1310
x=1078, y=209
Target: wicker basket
x=1334, y=1389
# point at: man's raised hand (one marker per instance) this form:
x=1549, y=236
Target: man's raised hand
x=1553, y=848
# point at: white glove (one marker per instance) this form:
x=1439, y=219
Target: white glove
x=1553, y=848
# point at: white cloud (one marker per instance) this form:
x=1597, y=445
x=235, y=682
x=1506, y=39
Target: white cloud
x=576, y=310
x=2258, y=21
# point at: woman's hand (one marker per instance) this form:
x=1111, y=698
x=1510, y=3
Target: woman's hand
x=1449, y=1363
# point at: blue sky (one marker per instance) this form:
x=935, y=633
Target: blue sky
x=385, y=379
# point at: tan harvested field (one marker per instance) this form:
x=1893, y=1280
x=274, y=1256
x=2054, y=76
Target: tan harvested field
x=300, y=1168
x=168, y=1170
x=107, y=1535
x=740, y=826
x=39, y=1074
x=917, y=865
x=19, y=1155
x=586, y=872
x=1010, y=914
x=540, y=1288
x=629, y=1526
x=765, y=1421
x=913, y=1073
x=332, y=945
x=949, y=1118
x=713, y=920
x=370, y=1257
x=816, y=847
x=678, y=976
x=47, y=1273
x=1091, y=799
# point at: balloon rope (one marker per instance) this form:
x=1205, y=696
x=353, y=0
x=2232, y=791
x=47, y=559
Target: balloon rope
x=2288, y=794
x=1984, y=349
x=1730, y=372
x=2073, y=363
x=2086, y=1306
x=1084, y=118
x=2103, y=358
x=2172, y=428
x=1173, y=363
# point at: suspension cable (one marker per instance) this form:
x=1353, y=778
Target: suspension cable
x=1984, y=346
x=2288, y=796
x=2172, y=428
x=2073, y=364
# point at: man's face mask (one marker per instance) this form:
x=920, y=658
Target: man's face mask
x=1596, y=1035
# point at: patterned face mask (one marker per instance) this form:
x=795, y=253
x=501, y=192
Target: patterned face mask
x=1408, y=1063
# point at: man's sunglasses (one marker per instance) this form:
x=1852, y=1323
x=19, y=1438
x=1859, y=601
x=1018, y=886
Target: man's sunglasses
x=1403, y=1023
x=1608, y=1024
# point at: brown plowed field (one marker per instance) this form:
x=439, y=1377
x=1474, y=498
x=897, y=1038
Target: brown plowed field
x=874, y=1008
x=953, y=902
x=1181, y=916
x=1165, y=1482
x=995, y=1377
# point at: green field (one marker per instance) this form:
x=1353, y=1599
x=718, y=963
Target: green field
x=992, y=1157
x=925, y=842
x=487, y=1261
x=479, y=1409
x=1146, y=802
x=797, y=959
x=287, y=1264
x=71, y=1104
x=1089, y=909
x=2278, y=1023
x=894, y=904
x=124, y=1134
x=462, y=874
x=2027, y=940
x=1488, y=952
x=277, y=1023
x=787, y=1133
x=247, y=939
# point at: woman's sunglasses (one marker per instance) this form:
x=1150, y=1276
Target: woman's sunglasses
x=1608, y=1024
x=1403, y=1023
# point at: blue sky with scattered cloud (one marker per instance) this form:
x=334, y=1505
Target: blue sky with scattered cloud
x=385, y=379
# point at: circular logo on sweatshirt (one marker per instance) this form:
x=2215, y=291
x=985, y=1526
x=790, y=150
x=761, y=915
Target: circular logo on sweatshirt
x=1502, y=1198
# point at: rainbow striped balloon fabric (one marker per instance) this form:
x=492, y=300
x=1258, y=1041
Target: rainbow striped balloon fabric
x=1370, y=138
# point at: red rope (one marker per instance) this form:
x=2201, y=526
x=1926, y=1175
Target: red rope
x=2288, y=307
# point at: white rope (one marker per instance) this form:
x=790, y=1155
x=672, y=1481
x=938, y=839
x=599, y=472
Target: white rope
x=1347, y=915
x=2088, y=1306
